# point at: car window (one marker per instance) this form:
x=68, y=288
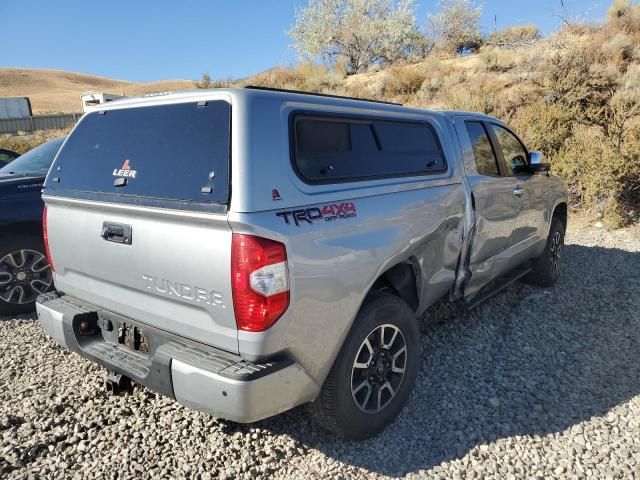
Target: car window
x=486, y=163
x=177, y=152
x=36, y=161
x=7, y=156
x=328, y=149
x=513, y=152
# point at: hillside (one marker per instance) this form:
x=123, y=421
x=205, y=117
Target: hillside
x=56, y=91
x=574, y=95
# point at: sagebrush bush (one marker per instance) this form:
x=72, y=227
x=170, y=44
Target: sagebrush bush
x=497, y=60
x=601, y=177
x=279, y=77
x=402, y=82
x=484, y=98
x=308, y=77
x=24, y=143
x=619, y=48
x=516, y=36
x=544, y=126
x=624, y=15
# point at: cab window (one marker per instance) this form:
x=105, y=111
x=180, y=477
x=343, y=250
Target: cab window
x=513, y=152
x=329, y=149
x=486, y=162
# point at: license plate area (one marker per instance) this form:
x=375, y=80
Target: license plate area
x=121, y=332
x=133, y=337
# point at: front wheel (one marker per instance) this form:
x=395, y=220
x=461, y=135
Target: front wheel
x=546, y=267
x=375, y=371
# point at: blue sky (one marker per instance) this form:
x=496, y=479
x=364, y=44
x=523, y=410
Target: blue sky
x=163, y=39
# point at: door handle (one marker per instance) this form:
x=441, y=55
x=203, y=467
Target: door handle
x=116, y=233
x=518, y=192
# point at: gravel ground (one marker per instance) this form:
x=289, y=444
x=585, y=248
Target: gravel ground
x=536, y=383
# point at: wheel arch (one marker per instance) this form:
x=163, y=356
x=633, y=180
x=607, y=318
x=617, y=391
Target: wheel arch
x=33, y=229
x=403, y=280
x=561, y=212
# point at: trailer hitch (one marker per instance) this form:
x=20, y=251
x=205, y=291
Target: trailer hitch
x=117, y=384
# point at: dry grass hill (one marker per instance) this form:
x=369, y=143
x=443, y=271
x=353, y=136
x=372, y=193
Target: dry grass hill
x=57, y=91
x=574, y=95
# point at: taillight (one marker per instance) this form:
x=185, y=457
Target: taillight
x=45, y=236
x=260, y=281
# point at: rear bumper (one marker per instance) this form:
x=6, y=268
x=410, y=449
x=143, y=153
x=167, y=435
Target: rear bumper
x=197, y=376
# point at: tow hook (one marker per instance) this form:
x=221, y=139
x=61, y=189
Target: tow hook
x=117, y=384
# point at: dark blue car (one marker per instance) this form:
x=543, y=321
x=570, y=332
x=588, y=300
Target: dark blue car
x=24, y=271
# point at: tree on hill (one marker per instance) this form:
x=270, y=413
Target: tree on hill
x=360, y=33
x=456, y=27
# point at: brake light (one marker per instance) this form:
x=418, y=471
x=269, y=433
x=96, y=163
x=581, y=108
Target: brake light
x=45, y=237
x=260, y=281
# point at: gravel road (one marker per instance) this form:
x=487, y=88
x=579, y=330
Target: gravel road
x=536, y=383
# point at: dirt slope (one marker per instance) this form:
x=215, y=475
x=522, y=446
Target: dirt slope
x=55, y=91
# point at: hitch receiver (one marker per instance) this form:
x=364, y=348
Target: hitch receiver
x=117, y=384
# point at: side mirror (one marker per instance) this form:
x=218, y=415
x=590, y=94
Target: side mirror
x=536, y=164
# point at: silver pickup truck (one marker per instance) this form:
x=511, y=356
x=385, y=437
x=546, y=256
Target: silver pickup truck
x=244, y=251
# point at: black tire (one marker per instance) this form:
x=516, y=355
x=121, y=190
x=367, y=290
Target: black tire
x=335, y=408
x=546, y=267
x=17, y=294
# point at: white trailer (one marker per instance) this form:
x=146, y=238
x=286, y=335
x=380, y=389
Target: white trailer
x=15, y=107
x=92, y=99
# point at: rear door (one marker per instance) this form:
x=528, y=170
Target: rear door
x=495, y=206
x=137, y=224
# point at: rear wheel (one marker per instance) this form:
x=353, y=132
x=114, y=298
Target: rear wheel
x=375, y=371
x=546, y=267
x=24, y=274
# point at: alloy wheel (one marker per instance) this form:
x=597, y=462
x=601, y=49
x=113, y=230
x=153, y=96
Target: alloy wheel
x=378, y=368
x=556, y=251
x=24, y=275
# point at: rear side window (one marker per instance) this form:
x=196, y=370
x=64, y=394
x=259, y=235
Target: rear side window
x=174, y=152
x=486, y=163
x=327, y=149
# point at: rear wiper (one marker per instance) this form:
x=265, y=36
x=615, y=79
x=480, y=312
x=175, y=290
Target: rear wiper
x=24, y=174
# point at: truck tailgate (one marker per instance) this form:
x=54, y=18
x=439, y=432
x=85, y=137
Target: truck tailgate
x=174, y=274
x=136, y=217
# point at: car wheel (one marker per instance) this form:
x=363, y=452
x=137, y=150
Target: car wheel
x=546, y=267
x=24, y=274
x=374, y=372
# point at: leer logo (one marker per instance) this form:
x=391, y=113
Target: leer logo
x=125, y=171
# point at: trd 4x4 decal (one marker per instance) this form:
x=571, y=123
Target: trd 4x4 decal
x=328, y=213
